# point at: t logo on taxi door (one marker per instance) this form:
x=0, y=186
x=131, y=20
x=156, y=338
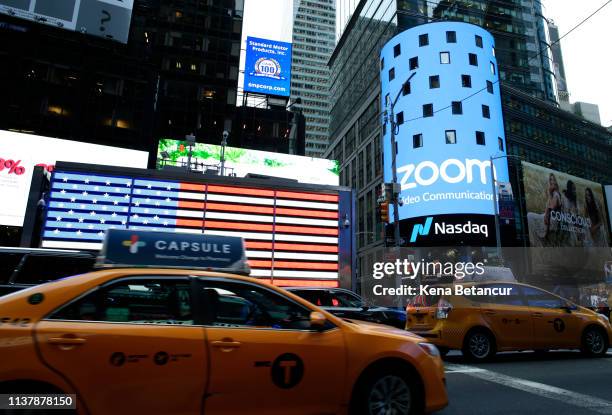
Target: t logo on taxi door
x=287, y=370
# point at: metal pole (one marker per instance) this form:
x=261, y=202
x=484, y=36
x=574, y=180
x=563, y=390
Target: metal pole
x=496, y=210
x=223, y=144
x=394, y=196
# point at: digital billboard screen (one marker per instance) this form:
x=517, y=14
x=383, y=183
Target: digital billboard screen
x=568, y=227
x=20, y=153
x=267, y=68
x=240, y=161
x=443, y=152
x=563, y=210
x=290, y=233
x=109, y=19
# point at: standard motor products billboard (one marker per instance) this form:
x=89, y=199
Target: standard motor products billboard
x=20, y=153
x=241, y=162
x=104, y=18
x=267, y=68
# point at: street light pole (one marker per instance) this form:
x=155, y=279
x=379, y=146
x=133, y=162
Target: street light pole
x=496, y=210
x=395, y=192
x=495, y=203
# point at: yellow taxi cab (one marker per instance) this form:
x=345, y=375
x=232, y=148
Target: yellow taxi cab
x=158, y=340
x=483, y=318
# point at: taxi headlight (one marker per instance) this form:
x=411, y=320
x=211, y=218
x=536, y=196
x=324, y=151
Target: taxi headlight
x=430, y=349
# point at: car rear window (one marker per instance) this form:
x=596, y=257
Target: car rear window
x=316, y=297
x=37, y=269
x=424, y=300
x=8, y=263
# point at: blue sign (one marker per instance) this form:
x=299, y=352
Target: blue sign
x=267, y=68
x=448, y=122
x=173, y=250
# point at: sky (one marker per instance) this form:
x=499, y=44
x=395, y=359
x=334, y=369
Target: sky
x=586, y=51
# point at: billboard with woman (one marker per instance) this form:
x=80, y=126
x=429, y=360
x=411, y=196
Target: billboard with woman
x=563, y=210
x=568, y=233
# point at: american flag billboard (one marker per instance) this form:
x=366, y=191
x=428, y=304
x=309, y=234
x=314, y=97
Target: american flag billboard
x=292, y=235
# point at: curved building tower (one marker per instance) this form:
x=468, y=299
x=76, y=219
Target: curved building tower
x=448, y=126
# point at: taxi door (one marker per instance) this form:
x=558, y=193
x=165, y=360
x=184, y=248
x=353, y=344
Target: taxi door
x=130, y=347
x=553, y=326
x=509, y=317
x=263, y=355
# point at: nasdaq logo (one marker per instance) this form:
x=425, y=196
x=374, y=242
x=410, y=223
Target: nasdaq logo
x=422, y=230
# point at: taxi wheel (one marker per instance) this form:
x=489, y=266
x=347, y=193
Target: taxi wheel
x=388, y=390
x=594, y=342
x=479, y=345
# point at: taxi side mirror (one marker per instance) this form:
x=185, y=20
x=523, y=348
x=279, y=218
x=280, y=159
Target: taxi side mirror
x=568, y=307
x=317, y=320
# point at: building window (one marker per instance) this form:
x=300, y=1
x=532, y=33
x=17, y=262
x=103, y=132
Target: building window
x=478, y=41
x=428, y=110
x=451, y=36
x=399, y=118
x=451, y=136
x=486, y=113
x=413, y=63
x=391, y=74
x=417, y=141
x=489, y=87
x=382, y=64
x=500, y=143
x=480, y=138
x=473, y=59
x=406, y=88
x=397, y=49
x=424, y=39
x=466, y=81
x=492, y=68
x=457, y=107
x=434, y=82
x=445, y=58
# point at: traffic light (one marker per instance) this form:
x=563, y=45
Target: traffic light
x=384, y=211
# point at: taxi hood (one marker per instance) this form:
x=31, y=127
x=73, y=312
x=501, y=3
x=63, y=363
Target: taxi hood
x=373, y=328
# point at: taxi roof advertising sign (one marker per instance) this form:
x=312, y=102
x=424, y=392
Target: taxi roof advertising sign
x=267, y=68
x=173, y=250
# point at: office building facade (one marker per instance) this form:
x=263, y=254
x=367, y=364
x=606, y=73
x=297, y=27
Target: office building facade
x=356, y=114
x=176, y=75
x=313, y=42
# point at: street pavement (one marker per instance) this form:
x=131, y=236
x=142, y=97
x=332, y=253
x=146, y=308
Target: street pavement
x=558, y=383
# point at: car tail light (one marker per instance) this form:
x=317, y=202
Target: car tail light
x=444, y=308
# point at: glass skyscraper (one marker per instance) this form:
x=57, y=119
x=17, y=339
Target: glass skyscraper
x=313, y=43
x=526, y=72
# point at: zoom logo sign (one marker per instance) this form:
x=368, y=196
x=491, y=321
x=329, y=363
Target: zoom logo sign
x=450, y=171
x=444, y=228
